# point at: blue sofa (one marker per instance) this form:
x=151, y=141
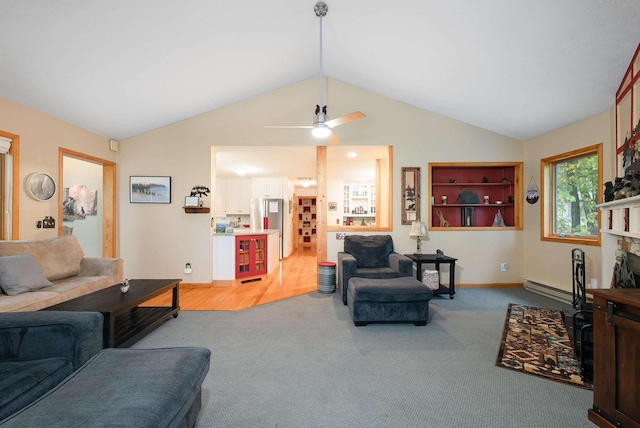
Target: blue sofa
x=54, y=372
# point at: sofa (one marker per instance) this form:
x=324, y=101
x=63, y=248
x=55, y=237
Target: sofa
x=39, y=273
x=54, y=373
x=370, y=257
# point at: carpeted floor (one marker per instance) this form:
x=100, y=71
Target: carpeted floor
x=536, y=341
x=301, y=362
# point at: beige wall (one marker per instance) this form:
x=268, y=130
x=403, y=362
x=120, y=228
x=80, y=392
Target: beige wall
x=157, y=240
x=550, y=262
x=40, y=137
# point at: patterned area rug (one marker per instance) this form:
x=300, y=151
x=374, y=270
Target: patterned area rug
x=536, y=341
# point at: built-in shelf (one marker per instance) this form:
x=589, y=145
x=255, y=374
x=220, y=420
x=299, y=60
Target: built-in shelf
x=196, y=210
x=497, y=183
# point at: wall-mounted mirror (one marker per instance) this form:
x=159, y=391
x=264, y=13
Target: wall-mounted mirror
x=410, y=194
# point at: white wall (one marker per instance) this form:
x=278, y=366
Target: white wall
x=550, y=262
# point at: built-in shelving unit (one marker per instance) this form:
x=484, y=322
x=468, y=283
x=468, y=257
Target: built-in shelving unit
x=306, y=221
x=470, y=195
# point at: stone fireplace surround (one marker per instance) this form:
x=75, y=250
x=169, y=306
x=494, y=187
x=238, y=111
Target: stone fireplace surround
x=620, y=238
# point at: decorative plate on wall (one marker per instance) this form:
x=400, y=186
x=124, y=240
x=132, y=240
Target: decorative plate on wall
x=40, y=186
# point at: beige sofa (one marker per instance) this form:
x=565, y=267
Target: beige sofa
x=62, y=263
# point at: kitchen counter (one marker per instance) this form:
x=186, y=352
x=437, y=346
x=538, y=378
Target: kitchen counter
x=248, y=231
x=224, y=253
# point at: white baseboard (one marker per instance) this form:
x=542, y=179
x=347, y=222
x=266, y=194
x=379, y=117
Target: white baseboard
x=545, y=290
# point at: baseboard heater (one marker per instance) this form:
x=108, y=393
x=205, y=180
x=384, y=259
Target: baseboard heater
x=545, y=290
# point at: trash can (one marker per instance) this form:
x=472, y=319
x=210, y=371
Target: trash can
x=326, y=277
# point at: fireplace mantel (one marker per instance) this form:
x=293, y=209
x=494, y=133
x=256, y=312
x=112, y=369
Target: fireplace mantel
x=621, y=217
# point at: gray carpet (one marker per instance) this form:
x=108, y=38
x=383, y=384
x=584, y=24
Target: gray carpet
x=302, y=363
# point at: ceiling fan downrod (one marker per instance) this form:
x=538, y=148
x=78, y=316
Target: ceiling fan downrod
x=320, y=10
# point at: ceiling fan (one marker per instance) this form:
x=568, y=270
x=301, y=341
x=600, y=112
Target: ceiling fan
x=322, y=124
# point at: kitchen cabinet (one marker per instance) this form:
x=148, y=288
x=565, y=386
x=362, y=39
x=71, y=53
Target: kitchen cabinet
x=359, y=205
x=238, y=196
x=251, y=255
x=473, y=195
x=267, y=187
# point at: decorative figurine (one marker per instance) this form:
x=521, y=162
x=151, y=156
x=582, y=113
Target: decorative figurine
x=124, y=286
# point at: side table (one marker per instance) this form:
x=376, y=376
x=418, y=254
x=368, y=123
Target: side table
x=420, y=259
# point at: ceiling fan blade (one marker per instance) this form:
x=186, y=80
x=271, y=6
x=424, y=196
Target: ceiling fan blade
x=333, y=139
x=289, y=126
x=345, y=119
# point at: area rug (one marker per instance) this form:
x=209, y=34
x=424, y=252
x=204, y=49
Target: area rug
x=536, y=341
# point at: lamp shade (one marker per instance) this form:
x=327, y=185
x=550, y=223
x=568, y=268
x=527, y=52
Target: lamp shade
x=419, y=230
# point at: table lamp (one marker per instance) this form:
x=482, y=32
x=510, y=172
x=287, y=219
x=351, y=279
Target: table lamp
x=419, y=231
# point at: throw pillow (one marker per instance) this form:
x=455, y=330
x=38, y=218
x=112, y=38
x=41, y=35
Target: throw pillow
x=21, y=273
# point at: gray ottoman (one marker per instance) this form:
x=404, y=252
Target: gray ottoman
x=402, y=299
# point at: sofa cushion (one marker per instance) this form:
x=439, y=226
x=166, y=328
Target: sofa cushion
x=126, y=388
x=58, y=257
x=369, y=251
x=25, y=381
x=21, y=273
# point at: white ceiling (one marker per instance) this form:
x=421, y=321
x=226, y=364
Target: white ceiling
x=122, y=67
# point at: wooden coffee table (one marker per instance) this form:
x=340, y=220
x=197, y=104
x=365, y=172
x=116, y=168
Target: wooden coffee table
x=125, y=321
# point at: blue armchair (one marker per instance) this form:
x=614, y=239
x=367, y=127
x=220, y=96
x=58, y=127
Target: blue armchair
x=370, y=257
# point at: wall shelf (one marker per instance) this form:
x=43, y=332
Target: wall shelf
x=196, y=210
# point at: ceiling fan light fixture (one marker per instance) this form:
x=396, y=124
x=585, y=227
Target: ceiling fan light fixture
x=320, y=130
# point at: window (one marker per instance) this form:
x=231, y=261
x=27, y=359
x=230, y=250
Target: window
x=571, y=184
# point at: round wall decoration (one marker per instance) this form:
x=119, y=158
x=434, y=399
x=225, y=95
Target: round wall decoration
x=533, y=192
x=40, y=186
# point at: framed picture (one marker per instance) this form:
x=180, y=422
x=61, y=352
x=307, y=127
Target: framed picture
x=333, y=206
x=410, y=194
x=150, y=189
x=191, y=201
x=40, y=186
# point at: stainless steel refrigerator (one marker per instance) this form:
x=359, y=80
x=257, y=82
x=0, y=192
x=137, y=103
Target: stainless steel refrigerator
x=268, y=214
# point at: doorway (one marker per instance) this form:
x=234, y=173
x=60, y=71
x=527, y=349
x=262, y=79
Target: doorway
x=80, y=168
x=9, y=186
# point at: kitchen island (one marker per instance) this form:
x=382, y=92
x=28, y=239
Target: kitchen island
x=225, y=253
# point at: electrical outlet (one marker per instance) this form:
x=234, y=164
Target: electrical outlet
x=504, y=267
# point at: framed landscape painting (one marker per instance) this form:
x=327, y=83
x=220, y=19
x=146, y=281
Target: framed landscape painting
x=149, y=189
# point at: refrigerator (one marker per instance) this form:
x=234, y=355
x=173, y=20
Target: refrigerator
x=268, y=214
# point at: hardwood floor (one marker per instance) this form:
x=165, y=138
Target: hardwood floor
x=297, y=275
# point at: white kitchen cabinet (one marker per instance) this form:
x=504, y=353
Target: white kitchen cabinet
x=267, y=187
x=238, y=196
x=220, y=196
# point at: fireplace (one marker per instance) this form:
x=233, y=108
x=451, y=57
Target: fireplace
x=620, y=249
x=626, y=272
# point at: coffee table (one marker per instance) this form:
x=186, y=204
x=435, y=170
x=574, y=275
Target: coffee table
x=125, y=321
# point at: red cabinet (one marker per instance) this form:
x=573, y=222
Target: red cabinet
x=251, y=255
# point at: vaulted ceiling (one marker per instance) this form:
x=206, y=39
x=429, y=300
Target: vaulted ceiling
x=122, y=67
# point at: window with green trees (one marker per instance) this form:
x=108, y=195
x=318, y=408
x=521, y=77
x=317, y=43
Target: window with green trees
x=571, y=184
